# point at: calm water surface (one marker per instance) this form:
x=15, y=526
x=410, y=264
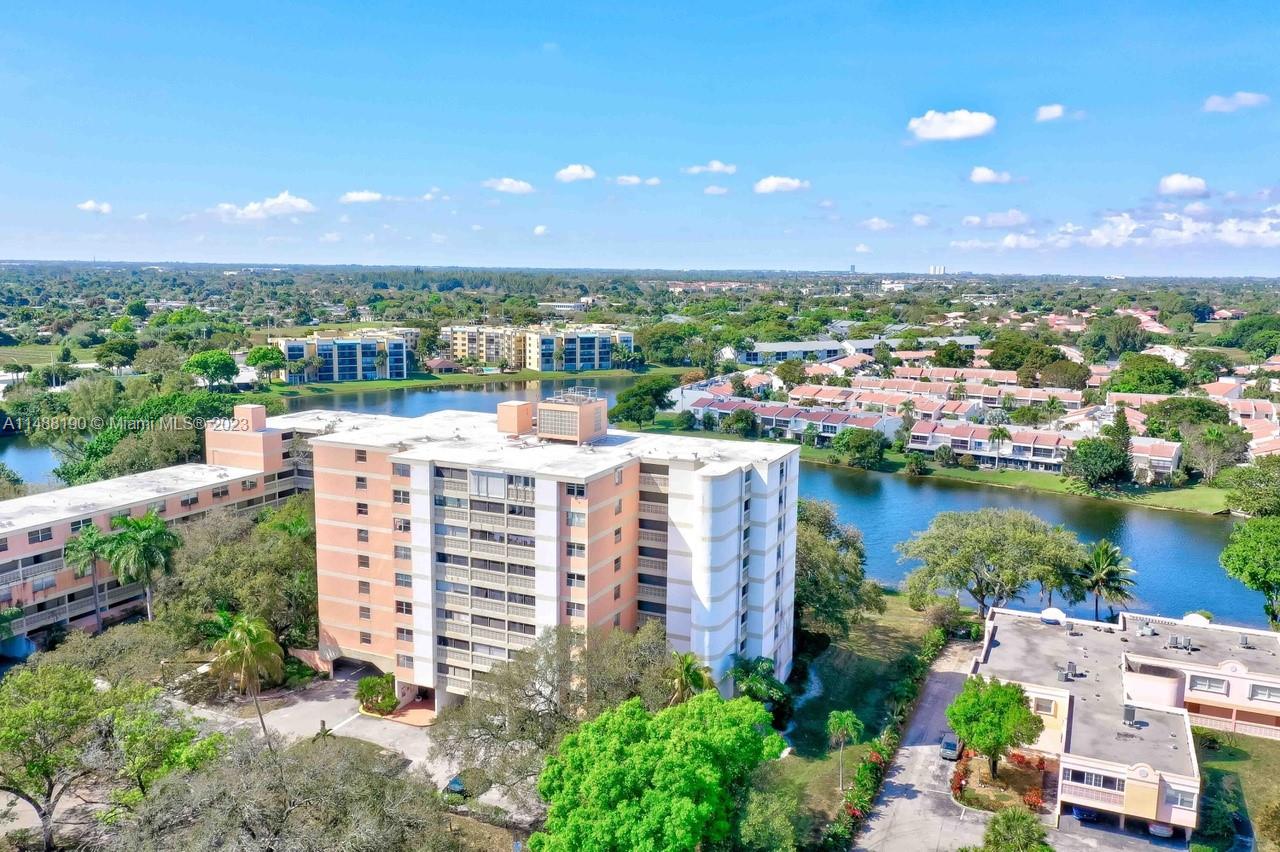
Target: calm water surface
x=1175, y=553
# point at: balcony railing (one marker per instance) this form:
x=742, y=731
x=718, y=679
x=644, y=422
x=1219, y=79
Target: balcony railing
x=648, y=563
x=453, y=486
x=659, y=481
x=26, y=572
x=652, y=593
x=653, y=537
x=1092, y=794
x=653, y=510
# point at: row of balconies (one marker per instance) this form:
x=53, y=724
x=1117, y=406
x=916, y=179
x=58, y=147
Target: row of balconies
x=468, y=603
x=18, y=575
x=459, y=574
x=454, y=544
x=75, y=609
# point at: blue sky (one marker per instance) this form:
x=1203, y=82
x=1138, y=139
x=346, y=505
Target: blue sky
x=264, y=132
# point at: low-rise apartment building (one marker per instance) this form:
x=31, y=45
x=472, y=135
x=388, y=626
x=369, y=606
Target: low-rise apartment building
x=348, y=357
x=541, y=348
x=1118, y=702
x=447, y=542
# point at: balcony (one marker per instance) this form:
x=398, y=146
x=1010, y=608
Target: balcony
x=451, y=514
x=452, y=600
x=658, y=537
x=1084, y=792
x=653, y=510
x=455, y=655
x=519, y=494
x=488, y=634
x=659, y=482
x=652, y=593
x=648, y=563
x=451, y=544
x=519, y=552
x=453, y=486
x=455, y=685
x=521, y=611
x=519, y=523
x=17, y=575
x=490, y=547
x=457, y=574
x=516, y=581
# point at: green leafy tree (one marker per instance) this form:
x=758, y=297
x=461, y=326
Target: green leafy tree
x=843, y=728
x=147, y=739
x=1015, y=829
x=1212, y=447
x=993, y=718
x=742, y=422
x=993, y=554
x=1106, y=574
x=666, y=781
x=641, y=402
x=266, y=360
x=864, y=448
x=246, y=657
x=1254, y=489
x=952, y=354
x=688, y=677
x=832, y=592
x=82, y=552
x=944, y=455
x=1206, y=365
x=1111, y=337
x=1146, y=374
x=791, y=372
x=141, y=550
x=1095, y=462
x=213, y=365
x=1167, y=418
x=1252, y=556
x=754, y=679
x=1065, y=374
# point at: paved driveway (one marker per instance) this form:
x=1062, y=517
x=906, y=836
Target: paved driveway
x=915, y=811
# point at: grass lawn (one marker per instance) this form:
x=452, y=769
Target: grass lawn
x=856, y=673
x=1195, y=498
x=39, y=354
x=1245, y=765
x=431, y=380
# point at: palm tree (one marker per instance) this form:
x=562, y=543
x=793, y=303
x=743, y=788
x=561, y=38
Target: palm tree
x=245, y=656
x=82, y=552
x=754, y=679
x=688, y=677
x=907, y=408
x=1053, y=408
x=1106, y=574
x=843, y=727
x=998, y=436
x=142, y=549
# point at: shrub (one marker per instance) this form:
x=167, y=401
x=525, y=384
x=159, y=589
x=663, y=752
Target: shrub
x=1033, y=799
x=945, y=615
x=916, y=465
x=377, y=694
x=968, y=462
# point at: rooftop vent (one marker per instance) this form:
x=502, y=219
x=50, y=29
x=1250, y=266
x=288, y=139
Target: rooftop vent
x=1244, y=641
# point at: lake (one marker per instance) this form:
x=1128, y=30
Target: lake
x=1175, y=553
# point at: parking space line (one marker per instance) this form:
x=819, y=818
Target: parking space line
x=350, y=718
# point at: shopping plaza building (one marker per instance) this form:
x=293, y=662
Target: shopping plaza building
x=449, y=541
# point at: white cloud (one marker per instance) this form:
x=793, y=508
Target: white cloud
x=652, y=181
x=344, y=219
x=1263, y=232
x=921, y=220
x=827, y=204
x=775, y=183
x=957, y=124
x=540, y=230
x=1196, y=208
x=100, y=207
x=360, y=196
x=982, y=174
x=477, y=227
x=508, y=185
x=1011, y=218
x=1115, y=231
x=635, y=180
x=1019, y=241
x=576, y=171
x=1050, y=112
x=331, y=237
x=714, y=167
x=875, y=223
x=439, y=239
x=1231, y=103
x=1182, y=184
x=862, y=248
x=283, y=204
x=142, y=217
x=715, y=190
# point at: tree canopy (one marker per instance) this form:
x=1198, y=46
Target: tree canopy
x=992, y=718
x=831, y=590
x=1252, y=556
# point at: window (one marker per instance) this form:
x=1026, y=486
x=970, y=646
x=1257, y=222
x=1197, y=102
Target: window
x=617, y=535
x=362, y=535
x=404, y=608
x=400, y=524
x=1093, y=779
x=365, y=613
x=575, y=489
x=575, y=548
x=617, y=563
x=366, y=638
x=4, y=544
x=362, y=508
x=404, y=661
x=485, y=621
x=248, y=484
x=617, y=592
x=617, y=506
x=362, y=560
x=489, y=484
x=362, y=483
x=1179, y=798
x=221, y=491
x=362, y=587
x=37, y=536
x=48, y=581
x=362, y=456
x=575, y=581
x=404, y=634
x=1204, y=683
x=573, y=609
x=76, y=526
x=1043, y=706
x=522, y=628
x=617, y=619
x=517, y=598
x=1258, y=692
x=399, y=495
x=399, y=469
x=617, y=476
x=403, y=552
x=652, y=580
x=575, y=519
x=189, y=501
x=404, y=581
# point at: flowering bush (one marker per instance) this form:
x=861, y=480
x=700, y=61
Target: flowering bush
x=1033, y=799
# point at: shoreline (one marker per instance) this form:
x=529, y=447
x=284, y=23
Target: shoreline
x=421, y=381
x=1197, y=499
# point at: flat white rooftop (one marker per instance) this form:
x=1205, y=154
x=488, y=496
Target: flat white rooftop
x=472, y=438
x=323, y=420
x=79, y=501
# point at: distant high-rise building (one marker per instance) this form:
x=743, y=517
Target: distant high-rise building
x=937, y=269
x=853, y=268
